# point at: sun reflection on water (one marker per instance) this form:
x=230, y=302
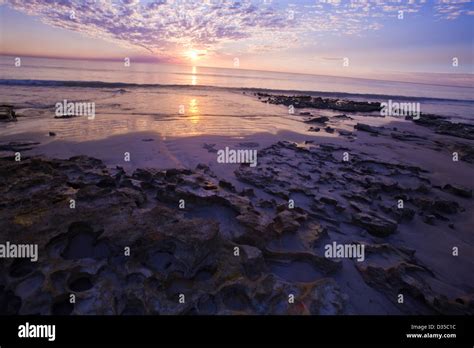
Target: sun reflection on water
x=194, y=110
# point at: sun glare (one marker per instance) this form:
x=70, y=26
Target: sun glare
x=193, y=55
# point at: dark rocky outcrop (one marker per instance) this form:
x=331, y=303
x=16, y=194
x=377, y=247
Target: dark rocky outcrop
x=7, y=113
x=235, y=248
x=123, y=251
x=442, y=125
x=306, y=101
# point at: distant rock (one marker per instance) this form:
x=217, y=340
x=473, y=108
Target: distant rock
x=65, y=116
x=321, y=119
x=366, y=128
x=306, y=101
x=7, y=113
x=248, y=144
x=342, y=117
x=18, y=146
x=210, y=147
x=345, y=133
x=442, y=125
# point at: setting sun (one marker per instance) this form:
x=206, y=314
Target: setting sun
x=193, y=55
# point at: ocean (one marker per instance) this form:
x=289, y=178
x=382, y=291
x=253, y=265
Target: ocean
x=149, y=96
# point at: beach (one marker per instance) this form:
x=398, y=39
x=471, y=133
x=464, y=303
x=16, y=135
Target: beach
x=273, y=171
x=234, y=238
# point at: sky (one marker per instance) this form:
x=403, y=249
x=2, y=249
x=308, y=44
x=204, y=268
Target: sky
x=330, y=37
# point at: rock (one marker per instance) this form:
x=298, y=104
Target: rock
x=191, y=251
x=408, y=278
x=248, y=192
x=312, y=234
x=441, y=125
x=444, y=206
x=314, y=129
x=66, y=116
x=366, y=128
x=321, y=119
x=429, y=219
x=328, y=299
x=343, y=117
x=328, y=200
x=345, y=133
x=144, y=175
x=52, y=134
x=248, y=144
x=7, y=113
x=210, y=147
x=436, y=205
x=322, y=264
x=403, y=214
x=405, y=136
x=321, y=297
x=375, y=225
x=18, y=146
x=168, y=252
x=138, y=197
x=465, y=151
x=287, y=221
x=254, y=264
x=329, y=129
x=302, y=101
x=227, y=185
x=458, y=190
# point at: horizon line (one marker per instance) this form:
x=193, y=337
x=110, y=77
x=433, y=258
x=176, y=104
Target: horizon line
x=154, y=60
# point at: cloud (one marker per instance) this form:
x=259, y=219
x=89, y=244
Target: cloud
x=452, y=9
x=158, y=26
x=332, y=58
x=164, y=27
